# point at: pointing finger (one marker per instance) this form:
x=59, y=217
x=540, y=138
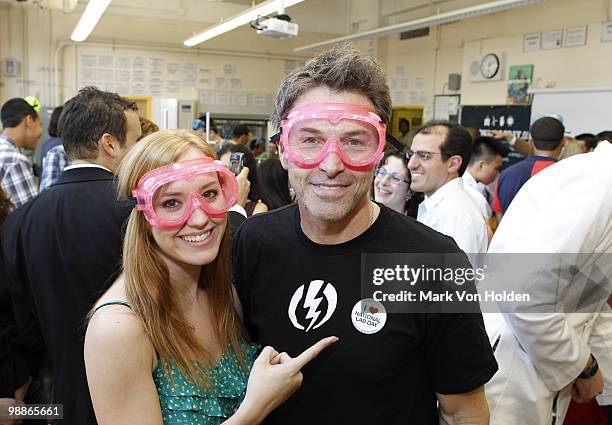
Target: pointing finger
x=310, y=353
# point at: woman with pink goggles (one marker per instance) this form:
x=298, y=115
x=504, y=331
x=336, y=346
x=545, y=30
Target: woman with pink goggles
x=354, y=132
x=165, y=343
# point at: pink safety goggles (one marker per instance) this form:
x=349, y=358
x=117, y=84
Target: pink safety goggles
x=169, y=195
x=354, y=132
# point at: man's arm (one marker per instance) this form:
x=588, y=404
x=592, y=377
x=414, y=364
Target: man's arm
x=460, y=362
x=464, y=409
x=19, y=184
x=521, y=146
x=586, y=388
x=14, y=270
x=28, y=329
x=600, y=343
x=53, y=165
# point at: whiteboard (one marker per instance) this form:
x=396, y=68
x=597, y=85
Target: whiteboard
x=584, y=110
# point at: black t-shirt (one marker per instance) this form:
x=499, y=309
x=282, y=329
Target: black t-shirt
x=388, y=377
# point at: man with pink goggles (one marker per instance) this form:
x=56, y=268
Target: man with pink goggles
x=354, y=132
x=166, y=197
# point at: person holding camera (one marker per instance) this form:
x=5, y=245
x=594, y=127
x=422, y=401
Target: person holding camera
x=236, y=157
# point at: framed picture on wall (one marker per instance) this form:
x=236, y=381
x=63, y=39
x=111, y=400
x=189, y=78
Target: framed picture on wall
x=519, y=80
x=447, y=107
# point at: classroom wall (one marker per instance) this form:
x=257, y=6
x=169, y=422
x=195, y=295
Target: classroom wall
x=450, y=49
x=417, y=69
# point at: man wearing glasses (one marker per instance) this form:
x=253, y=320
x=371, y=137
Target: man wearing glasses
x=298, y=269
x=439, y=156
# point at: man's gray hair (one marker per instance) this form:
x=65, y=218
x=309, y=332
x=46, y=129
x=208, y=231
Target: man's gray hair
x=342, y=68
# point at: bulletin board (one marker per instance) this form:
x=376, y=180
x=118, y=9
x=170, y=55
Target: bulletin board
x=219, y=84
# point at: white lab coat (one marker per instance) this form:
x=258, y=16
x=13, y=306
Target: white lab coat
x=566, y=208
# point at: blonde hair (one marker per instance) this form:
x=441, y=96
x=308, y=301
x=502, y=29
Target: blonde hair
x=147, y=282
x=572, y=147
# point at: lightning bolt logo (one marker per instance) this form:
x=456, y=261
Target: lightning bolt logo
x=312, y=302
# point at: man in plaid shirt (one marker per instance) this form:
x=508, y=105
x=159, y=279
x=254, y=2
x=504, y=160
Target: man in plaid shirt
x=53, y=165
x=22, y=130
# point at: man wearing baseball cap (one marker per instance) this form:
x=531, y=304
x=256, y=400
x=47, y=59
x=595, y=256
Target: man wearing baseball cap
x=22, y=130
x=547, y=140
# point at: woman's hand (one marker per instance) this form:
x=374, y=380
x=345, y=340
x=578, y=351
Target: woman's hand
x=244, y=186
x=274, y=378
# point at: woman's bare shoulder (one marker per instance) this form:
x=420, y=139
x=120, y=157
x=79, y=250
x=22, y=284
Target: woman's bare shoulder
x=116, y=327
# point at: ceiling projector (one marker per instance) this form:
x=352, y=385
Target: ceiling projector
x=277, y=27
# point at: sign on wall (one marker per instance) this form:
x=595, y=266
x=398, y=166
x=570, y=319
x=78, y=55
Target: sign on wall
x=513, y=119
x=576, y=36
x=606, y=32
x=552, y=39
x=447, y=107
x=532, y=42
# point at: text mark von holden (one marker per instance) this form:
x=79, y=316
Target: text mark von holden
x=452, y=296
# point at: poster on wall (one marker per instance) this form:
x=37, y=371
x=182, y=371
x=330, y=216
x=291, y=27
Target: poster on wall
x=447, y=107
x=606, y=32
x=519, y=80
x=552, y=39
x=575, y=36
x=532, y=42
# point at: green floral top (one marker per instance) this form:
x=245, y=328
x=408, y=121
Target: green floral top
x=183, y=403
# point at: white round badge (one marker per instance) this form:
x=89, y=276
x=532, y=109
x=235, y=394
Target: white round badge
x=369, y=316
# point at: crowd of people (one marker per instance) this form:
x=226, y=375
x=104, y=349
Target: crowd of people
x=175, y=277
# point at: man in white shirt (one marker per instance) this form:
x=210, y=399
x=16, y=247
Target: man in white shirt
x=439, y=156
x=546, y=355
x=483, y=169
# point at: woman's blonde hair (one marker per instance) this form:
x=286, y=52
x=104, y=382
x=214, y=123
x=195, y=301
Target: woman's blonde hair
x=572, y=147
x=147, y=282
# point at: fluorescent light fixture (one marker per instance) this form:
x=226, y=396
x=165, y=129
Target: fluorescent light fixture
x=262, y=9
x=442, y=18
x=92, y=14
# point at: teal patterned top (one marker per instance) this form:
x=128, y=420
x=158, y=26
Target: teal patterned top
x=183, y=403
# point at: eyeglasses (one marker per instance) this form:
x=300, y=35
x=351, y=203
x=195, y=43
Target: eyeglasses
x=395, y=178
x=422, y=155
